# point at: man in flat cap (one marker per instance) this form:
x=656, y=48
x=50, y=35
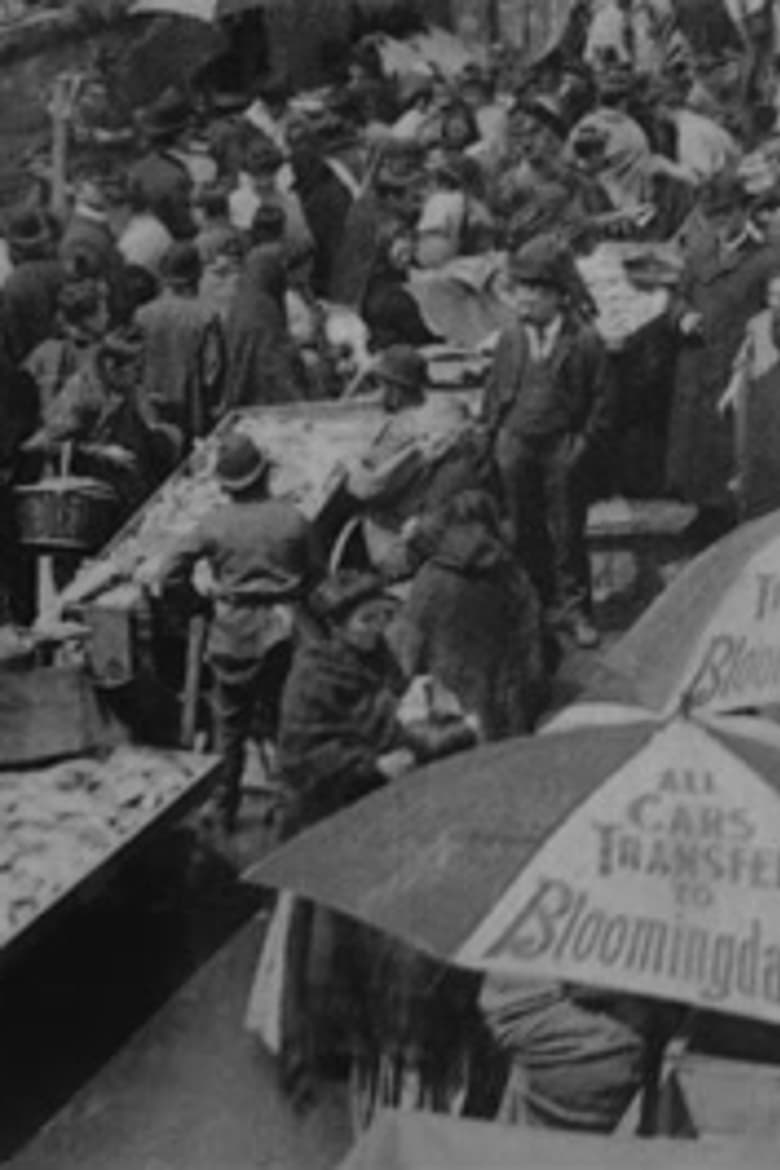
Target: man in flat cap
x=548, y=410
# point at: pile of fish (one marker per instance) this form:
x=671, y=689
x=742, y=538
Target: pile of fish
x=58, y=825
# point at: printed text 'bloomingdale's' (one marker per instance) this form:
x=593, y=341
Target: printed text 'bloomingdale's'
x=561, y=925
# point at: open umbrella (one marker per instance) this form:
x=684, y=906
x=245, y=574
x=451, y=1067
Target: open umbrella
x=711, y=642
x=429, y=1141
x=639, y=855
x=208, y=10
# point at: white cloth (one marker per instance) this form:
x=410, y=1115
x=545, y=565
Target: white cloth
x=703, y=147
x=244, y=203
x=6, y=265
x=145, y=242
x=261, y=118
x=758, y=355
x=201, y=167
x=440, y=227
x=410, y=124
x=542, y=340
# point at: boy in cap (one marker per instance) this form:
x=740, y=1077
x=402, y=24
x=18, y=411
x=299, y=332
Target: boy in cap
x=262, y=556
x=548, y=412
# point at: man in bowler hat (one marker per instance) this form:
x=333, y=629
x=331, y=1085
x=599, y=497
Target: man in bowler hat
x=548, y=411
x=262, y=556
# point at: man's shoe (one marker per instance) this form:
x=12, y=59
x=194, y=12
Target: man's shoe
x=584, y=632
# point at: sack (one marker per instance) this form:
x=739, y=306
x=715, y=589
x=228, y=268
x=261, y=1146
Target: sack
x=265, y=1010
x=49, y=713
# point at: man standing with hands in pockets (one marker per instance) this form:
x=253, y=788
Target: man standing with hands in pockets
x=548, y=410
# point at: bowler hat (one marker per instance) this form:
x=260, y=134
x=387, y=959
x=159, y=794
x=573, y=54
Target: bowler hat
x=181, y=266
x=29, y=234
x=539, y=261
x=403, y=366
x=340, y=594
x=240, y=463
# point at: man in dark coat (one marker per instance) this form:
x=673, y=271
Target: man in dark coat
x=31, y=293
x=728, y=265
x=185, y=348
x=262, y=556
x=326, y=202
x=161, y=177
x=548, y=411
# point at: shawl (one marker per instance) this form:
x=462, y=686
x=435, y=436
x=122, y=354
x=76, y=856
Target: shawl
x=338, y=716
x=627, y=172
x=472, y=621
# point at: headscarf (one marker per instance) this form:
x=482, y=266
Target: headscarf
x=627, y=172
x=262, y=364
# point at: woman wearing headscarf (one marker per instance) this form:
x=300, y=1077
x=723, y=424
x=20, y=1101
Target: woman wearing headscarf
x=341, y=737
x=262, y=364
x=472, y=619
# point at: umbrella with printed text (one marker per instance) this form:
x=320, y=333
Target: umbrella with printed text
x=617, y=850
x=208, y=10
x=711, y=641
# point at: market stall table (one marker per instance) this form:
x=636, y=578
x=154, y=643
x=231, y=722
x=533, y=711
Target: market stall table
x=309, y=444
x=68, y=827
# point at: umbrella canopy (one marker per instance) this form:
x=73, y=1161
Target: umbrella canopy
x=428, y=1141
x=638, y=856
x=209, y=10
x=712, y=640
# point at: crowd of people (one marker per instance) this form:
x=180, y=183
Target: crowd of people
x=201, y=276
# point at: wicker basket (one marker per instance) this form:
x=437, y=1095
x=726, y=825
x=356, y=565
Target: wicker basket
x=69, y=514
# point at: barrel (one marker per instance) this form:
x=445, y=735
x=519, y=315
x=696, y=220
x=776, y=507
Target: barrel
x=73, y=514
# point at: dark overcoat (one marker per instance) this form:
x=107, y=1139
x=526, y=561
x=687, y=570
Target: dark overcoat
x=727, y=289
